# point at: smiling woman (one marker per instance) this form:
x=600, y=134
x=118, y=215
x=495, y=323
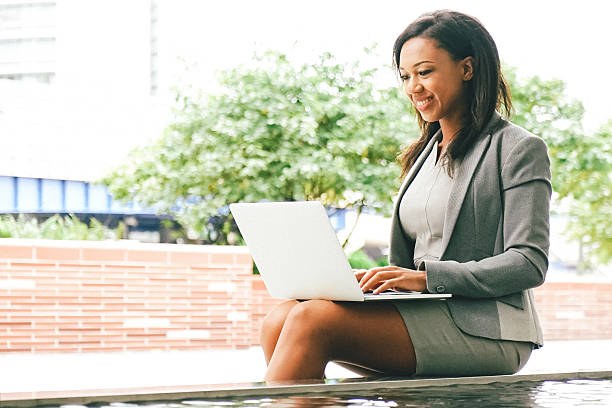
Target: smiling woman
x=474, y=225
x=437, y=66
x=435, y=82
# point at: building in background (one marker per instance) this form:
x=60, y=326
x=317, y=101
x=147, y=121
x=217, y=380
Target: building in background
x=73, y=101
x=154, y=67
x=28, y=38
x=76, y=84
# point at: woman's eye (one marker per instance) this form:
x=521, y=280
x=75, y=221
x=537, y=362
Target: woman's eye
x=404, y=77
x=424, y=72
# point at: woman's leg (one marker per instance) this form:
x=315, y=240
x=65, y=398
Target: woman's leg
x=272, y=326
x=271, y=329
x=372, y=336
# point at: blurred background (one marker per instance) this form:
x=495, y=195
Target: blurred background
x=83, y=83
x=126, y=122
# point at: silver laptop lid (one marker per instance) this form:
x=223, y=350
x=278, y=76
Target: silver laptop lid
x=296, y=250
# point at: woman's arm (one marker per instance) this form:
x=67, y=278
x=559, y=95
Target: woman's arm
x=525, y=181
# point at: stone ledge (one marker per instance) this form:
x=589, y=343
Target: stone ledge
x=147, y=394
x=121, y=244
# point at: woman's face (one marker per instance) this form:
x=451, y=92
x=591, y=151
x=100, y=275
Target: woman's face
x=434, y=81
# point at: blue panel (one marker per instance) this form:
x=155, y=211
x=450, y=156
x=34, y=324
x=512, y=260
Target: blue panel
x=34, y=195
x=87, y=195
x=98, y=199
x=139, y=208
x=119, y=207
x=142, y=209
x=52, y=196
x=7, y=194
x=75, y=197
x=27, y=195
x=338, y=220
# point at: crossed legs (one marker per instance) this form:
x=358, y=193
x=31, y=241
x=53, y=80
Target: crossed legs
x=300, y=338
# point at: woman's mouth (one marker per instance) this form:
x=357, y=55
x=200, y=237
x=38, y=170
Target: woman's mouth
x=423, y=104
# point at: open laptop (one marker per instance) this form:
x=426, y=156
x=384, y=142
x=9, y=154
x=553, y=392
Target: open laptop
x=298, y=254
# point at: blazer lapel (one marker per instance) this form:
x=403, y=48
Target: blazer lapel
x=462, y=179
x=415, y=168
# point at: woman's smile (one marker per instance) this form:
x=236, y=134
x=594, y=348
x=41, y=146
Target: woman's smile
x=422, y=103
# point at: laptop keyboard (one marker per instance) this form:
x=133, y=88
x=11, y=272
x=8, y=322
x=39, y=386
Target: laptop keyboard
x=389, y=292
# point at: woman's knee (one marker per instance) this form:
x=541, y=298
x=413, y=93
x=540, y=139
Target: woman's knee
x=311, y=318
x=274, y=321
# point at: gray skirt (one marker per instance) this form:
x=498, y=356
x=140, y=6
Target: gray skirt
x=442, y=349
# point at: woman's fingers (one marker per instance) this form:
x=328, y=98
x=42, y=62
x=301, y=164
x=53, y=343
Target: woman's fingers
x=392, y=277
x=359, y=273
x=387, y=268
x=373, y=280
x=389, y=284
x=365, y=277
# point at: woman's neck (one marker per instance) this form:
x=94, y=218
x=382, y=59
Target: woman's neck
x=449, y=127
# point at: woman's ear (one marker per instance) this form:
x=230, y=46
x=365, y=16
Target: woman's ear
x=468, y=68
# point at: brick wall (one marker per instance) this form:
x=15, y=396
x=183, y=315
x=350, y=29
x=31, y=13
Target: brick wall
x=71, y=296
x=575, y=310
x=65, y=296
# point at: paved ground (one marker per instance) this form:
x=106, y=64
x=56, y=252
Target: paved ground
x=20, y=372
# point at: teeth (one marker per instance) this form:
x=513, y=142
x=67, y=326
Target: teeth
x=423, y=102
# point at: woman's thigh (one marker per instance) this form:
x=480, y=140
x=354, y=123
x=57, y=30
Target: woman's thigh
x=369, y=335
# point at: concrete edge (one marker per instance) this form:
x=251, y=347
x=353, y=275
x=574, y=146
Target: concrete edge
x=124, y=244
x=83, y=397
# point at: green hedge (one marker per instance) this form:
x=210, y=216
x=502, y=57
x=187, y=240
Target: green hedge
x=55, y=227
x=359, y=260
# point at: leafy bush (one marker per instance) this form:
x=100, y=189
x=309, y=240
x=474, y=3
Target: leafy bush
x=276, y=131
x=55, y=227
x=359, y=260
x=383, y=261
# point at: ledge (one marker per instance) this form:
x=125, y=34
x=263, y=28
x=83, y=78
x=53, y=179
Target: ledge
x=121, y=244
x=82, y=397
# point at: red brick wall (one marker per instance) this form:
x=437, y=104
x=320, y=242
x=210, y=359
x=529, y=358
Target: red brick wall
x=575, y=310
x=62, y=296
x=70, y=296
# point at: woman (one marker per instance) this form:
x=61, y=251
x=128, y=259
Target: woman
x=471, y=219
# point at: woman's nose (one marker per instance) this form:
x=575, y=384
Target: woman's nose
x=414, y=86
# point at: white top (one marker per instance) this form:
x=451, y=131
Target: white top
x=423, y=207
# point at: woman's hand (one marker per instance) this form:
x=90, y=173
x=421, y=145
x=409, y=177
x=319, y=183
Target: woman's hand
x=390, y=277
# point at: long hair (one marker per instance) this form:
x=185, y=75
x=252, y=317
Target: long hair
x=461, y=36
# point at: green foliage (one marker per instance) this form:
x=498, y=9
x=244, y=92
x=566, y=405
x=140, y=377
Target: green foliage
x=55, y=227
x=276, y=132
x=589, y=184
x=323, y=131
x=581, y=163
x=542, y=107
x=384, y=261
x=359, y=260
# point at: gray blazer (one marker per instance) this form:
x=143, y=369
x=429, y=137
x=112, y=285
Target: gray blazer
x=496, y=234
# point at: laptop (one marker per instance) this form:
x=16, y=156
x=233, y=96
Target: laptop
x=298, y=254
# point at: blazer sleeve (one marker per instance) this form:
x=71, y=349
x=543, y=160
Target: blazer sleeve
x=526, y=191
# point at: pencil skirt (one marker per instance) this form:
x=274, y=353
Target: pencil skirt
x=442, y=349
